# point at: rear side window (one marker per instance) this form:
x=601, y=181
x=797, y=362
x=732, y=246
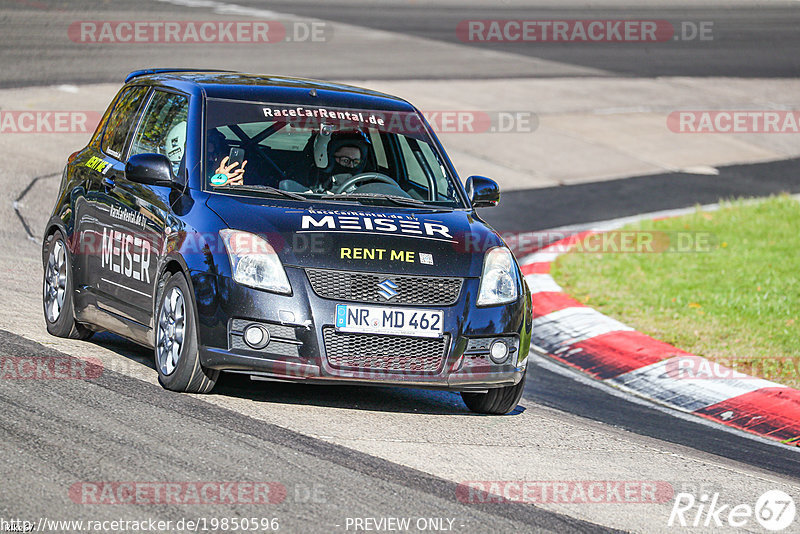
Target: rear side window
x=163, y=128
x=121, y=120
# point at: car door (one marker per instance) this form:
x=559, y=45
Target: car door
x=101, y=166
x=139, y=214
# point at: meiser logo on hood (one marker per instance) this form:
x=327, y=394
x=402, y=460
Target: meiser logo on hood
x=362, y=223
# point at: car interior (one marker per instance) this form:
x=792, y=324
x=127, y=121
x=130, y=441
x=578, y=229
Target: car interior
x=282, y=156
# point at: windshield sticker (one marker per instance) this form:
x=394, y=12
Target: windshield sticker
x=322, y=113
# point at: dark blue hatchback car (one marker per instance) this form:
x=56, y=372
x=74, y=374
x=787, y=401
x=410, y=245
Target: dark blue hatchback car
x=287, y=229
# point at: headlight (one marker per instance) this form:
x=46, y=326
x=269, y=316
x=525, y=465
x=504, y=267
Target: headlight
x=254, y=262
x=499, y=278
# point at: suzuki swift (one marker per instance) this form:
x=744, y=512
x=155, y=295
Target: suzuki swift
x=286, y=229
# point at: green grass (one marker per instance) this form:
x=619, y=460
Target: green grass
x=738, y=304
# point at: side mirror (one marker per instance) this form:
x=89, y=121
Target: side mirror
x=149, y=169
x=483, y=192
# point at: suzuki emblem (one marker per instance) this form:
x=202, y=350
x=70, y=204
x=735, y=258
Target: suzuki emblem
x=387, y=289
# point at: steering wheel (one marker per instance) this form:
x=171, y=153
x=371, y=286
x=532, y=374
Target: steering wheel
x=363, y=177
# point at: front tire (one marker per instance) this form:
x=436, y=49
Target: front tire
x=57, y=291
x=497, y=401
x=176, y=355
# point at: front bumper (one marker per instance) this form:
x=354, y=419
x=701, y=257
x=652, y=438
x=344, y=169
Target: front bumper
x=300, y=325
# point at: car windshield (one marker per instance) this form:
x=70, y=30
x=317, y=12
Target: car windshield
x=324, y=153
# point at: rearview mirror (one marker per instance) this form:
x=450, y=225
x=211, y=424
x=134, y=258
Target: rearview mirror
x=149, y=169
x=483, y=192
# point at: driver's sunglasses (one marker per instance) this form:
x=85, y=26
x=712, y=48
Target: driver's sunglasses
x=347, y=162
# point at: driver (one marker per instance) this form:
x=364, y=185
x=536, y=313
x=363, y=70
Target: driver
x=347, y=157
x=348, y=160
x=337, y=156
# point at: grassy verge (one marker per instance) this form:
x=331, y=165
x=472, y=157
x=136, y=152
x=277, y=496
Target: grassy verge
x=737, y=301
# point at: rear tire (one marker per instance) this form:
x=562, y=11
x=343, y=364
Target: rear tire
x=57, y=291
x=176, y=355
x=497, y=401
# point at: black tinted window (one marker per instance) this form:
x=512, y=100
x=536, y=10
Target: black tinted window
x=121, y=120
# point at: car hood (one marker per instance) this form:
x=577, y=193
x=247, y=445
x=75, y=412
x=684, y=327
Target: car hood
x=355, y=237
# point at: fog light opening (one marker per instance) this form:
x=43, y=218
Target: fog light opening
x=498, y=351
x=256, y=336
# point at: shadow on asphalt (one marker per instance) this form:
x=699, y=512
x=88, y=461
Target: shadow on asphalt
x=369, y=398
x=127, y=349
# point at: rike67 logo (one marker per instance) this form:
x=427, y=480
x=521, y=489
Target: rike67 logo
x=774, y=510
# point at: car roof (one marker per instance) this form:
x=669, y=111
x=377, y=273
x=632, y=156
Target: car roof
x=267, y=88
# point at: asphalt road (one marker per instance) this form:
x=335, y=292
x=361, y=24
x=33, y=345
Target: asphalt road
x=745, y=41
x=163, y=436
x=121, y=426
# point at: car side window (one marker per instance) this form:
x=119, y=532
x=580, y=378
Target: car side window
x=416, y=173
x=122, y=120
x=163, y=128
x=380, y=151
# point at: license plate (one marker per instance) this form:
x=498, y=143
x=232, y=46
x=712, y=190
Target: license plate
x=395, y=321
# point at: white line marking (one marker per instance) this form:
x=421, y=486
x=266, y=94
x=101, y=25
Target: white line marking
x=573, y=325
x=125, y=287
x=540, y=257
x=660, y=381
x=542, y=282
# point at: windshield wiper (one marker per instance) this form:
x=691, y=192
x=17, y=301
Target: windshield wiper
x=401, y=201
x=271, y=190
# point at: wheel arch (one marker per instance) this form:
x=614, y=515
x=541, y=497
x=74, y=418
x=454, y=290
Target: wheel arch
x=172, y=265
x=51, y=228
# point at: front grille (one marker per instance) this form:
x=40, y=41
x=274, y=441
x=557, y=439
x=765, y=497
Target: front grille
x=363, y=287
x=371, y=352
